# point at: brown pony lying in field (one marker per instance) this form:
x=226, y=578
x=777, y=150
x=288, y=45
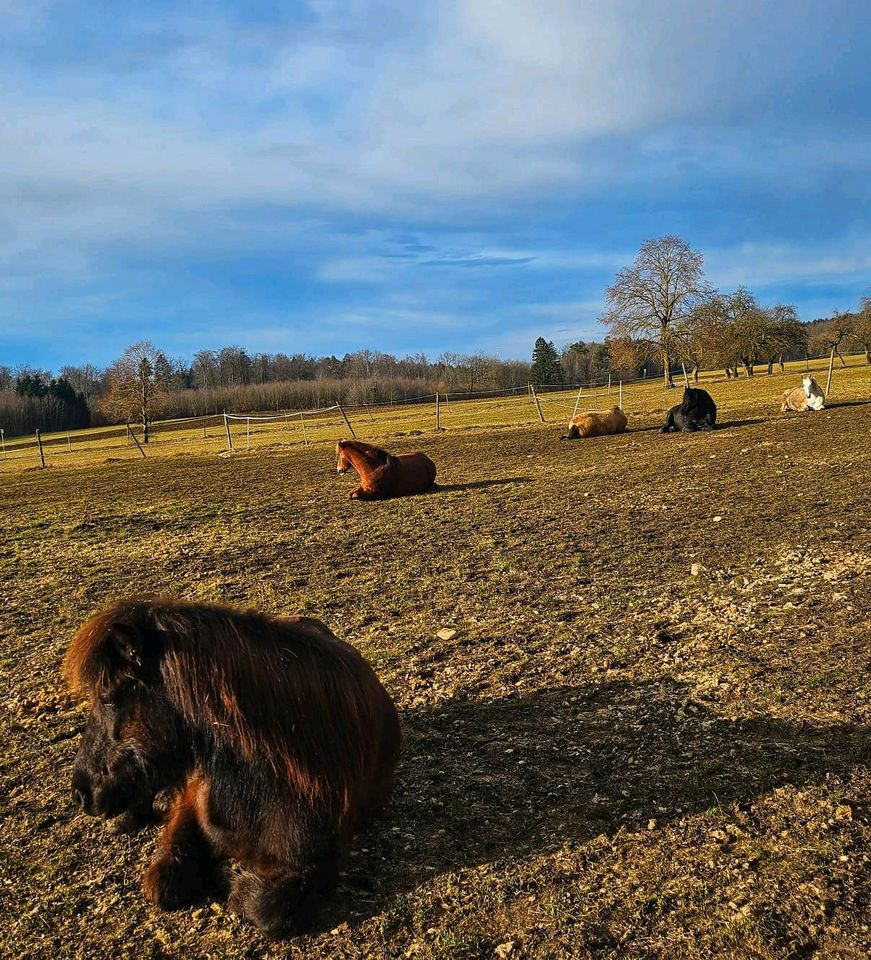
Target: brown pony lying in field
x=596, y=424
x=381, y=474
x=276, y=738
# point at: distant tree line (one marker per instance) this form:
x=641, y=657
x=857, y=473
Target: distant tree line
x=144, y=384
x=34, y=400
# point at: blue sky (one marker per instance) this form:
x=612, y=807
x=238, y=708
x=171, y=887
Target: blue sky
x=457, y=175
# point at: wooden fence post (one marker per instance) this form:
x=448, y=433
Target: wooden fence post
x=685, y=377
x=577, y=403
x=537, y=403
x=438, y=414
x=39, y=444
x=3, y=441
x=620, y=401
x=227, y=428
x=69, y=443
x=302, y=424
x=248, y=433
x=132, y=434
x=342, y=411
x=829, y=377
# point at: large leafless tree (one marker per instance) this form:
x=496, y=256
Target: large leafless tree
x=651, y=298
x=135, y=389
x=836, y=332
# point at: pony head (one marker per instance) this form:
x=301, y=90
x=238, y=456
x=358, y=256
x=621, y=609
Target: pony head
x=808, y=382
x=344, y=462
x=132, y=746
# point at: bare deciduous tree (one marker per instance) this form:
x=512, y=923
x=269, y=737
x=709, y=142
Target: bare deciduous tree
x=861, y=335
x=840, y=329
x=135, y=391
x=786, y=334
x=652, y=297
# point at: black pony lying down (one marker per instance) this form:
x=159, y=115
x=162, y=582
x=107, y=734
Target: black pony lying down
x=696, y=411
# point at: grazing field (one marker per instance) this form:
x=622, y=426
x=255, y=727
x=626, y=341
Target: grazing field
x=647, y=737
x=286, y=430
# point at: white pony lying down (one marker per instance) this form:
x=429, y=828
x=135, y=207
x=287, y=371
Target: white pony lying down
x=809, y=396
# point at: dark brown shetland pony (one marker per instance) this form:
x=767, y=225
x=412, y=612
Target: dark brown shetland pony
x=275, y=738
x=381, y=474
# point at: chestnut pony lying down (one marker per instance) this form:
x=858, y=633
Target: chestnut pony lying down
x=597, y=424
x=276, y=738
x=381, y=474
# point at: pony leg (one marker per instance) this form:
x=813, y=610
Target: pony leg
x=184, y=870
x=668, y=426
x=284, y=902
x=374, y=488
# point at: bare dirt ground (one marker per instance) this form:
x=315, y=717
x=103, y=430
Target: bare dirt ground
x=649, y=737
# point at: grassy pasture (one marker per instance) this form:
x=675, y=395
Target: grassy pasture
x=98, y=445
x=649, y=737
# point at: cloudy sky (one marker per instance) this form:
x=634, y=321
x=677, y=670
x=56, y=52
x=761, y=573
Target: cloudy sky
x=323, y=176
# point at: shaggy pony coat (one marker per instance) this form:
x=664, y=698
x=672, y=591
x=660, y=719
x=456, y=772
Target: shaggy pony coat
x=597, y=424
x=276, y=739
x=383, y=475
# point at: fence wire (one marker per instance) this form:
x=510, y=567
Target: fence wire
x=400, y=417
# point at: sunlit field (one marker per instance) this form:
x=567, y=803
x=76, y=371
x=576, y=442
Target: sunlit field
x=378, y=424
x=647, y=735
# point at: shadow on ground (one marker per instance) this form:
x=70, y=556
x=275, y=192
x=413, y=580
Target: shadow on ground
x=847, y=403
x=476, y=484
x=523, y=775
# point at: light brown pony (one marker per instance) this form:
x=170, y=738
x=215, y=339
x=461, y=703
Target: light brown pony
x=809, y=396
x=381, y=474
x=597, y=424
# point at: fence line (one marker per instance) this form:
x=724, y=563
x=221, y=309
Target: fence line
x=279, y=416
x=506, y=406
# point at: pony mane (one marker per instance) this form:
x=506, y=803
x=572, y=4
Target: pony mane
x=372, y=453
x=272, y=690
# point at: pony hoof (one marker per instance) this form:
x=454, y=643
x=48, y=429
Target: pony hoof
x=173, y=884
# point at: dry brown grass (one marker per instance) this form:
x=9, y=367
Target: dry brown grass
x=614, y=757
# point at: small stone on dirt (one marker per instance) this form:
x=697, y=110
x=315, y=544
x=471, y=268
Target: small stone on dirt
x=446, y=634
x=504, y=949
